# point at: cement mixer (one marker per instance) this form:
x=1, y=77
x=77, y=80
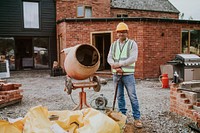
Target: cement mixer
x=81, y=62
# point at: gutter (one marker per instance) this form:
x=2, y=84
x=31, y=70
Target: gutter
x=128, y=19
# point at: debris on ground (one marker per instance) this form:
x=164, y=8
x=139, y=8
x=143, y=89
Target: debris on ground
x=10, y=94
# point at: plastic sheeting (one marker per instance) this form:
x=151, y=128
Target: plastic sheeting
x=40, y=120
x=7, y=127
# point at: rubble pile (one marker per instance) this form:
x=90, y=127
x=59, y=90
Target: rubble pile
x=10, y=94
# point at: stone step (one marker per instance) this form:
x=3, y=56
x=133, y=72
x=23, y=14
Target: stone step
x=192, y=96
x=190, y=84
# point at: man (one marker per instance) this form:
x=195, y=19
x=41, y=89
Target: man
x=122, y=57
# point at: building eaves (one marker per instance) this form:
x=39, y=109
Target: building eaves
x=149, y=5
x=141, y=19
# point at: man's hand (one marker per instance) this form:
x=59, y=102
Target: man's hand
x=119, y=70
x=115, y=65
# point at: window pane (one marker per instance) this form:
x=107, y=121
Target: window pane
x=7, y=50
x=125, y=15
x=31, y=14
x=80, y=11
x=185, y=41
x=88, y=12
x=41, y=55
x=122, y=15
x=119, y=15
x=195, y=42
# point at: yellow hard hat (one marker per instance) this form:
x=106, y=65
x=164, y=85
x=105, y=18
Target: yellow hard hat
x=122, y=26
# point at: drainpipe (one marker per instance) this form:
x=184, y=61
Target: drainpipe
x=59, y=43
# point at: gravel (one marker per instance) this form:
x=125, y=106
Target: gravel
x=39, y=88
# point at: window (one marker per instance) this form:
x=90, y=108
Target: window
x=80, y=11
x=41, y=54
x=88, y=12
x=7, y=46
x=122, y=15
x=185, y=37
x=191, y=41
x=84, y=11
x=31, y=14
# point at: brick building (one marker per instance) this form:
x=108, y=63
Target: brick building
x=153, y=24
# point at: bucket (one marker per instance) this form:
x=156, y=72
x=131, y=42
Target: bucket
x=164, y=80
x=82, y=61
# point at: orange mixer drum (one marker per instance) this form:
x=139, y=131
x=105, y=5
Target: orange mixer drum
x=82, y=61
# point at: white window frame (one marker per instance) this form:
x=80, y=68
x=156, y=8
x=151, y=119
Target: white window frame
x=84, y=11
x=31, y=15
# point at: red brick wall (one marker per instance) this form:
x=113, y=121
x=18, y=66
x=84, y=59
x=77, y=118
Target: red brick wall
x=68, y=8
x=150, y=46
x=141, y=13
x=85, y=28
x=158, y=42
x=101, y=9
x=162, y=41
x=183, y=103
x=154, y=49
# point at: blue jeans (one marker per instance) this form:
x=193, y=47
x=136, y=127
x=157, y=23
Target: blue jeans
x=128, y=82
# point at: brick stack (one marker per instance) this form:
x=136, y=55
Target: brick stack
x=184, y=103
x=9, y=94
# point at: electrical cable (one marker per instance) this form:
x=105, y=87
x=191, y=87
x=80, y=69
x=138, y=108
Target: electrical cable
x=92, y=102
x=73, y=99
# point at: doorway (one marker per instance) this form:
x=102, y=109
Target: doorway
x=23, y=53
x=102, y=42
x=32, y=52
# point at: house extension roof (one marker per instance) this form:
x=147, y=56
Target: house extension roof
x=150, y=5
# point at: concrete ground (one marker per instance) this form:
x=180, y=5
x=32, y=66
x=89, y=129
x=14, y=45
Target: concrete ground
x=39, y=88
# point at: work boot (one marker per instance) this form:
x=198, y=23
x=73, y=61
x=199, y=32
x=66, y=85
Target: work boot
x=138, y=123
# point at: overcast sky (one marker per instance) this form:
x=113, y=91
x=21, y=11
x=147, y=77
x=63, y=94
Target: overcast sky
x=188, y=7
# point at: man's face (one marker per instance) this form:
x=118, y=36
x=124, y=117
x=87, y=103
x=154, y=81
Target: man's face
x=122, y=35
